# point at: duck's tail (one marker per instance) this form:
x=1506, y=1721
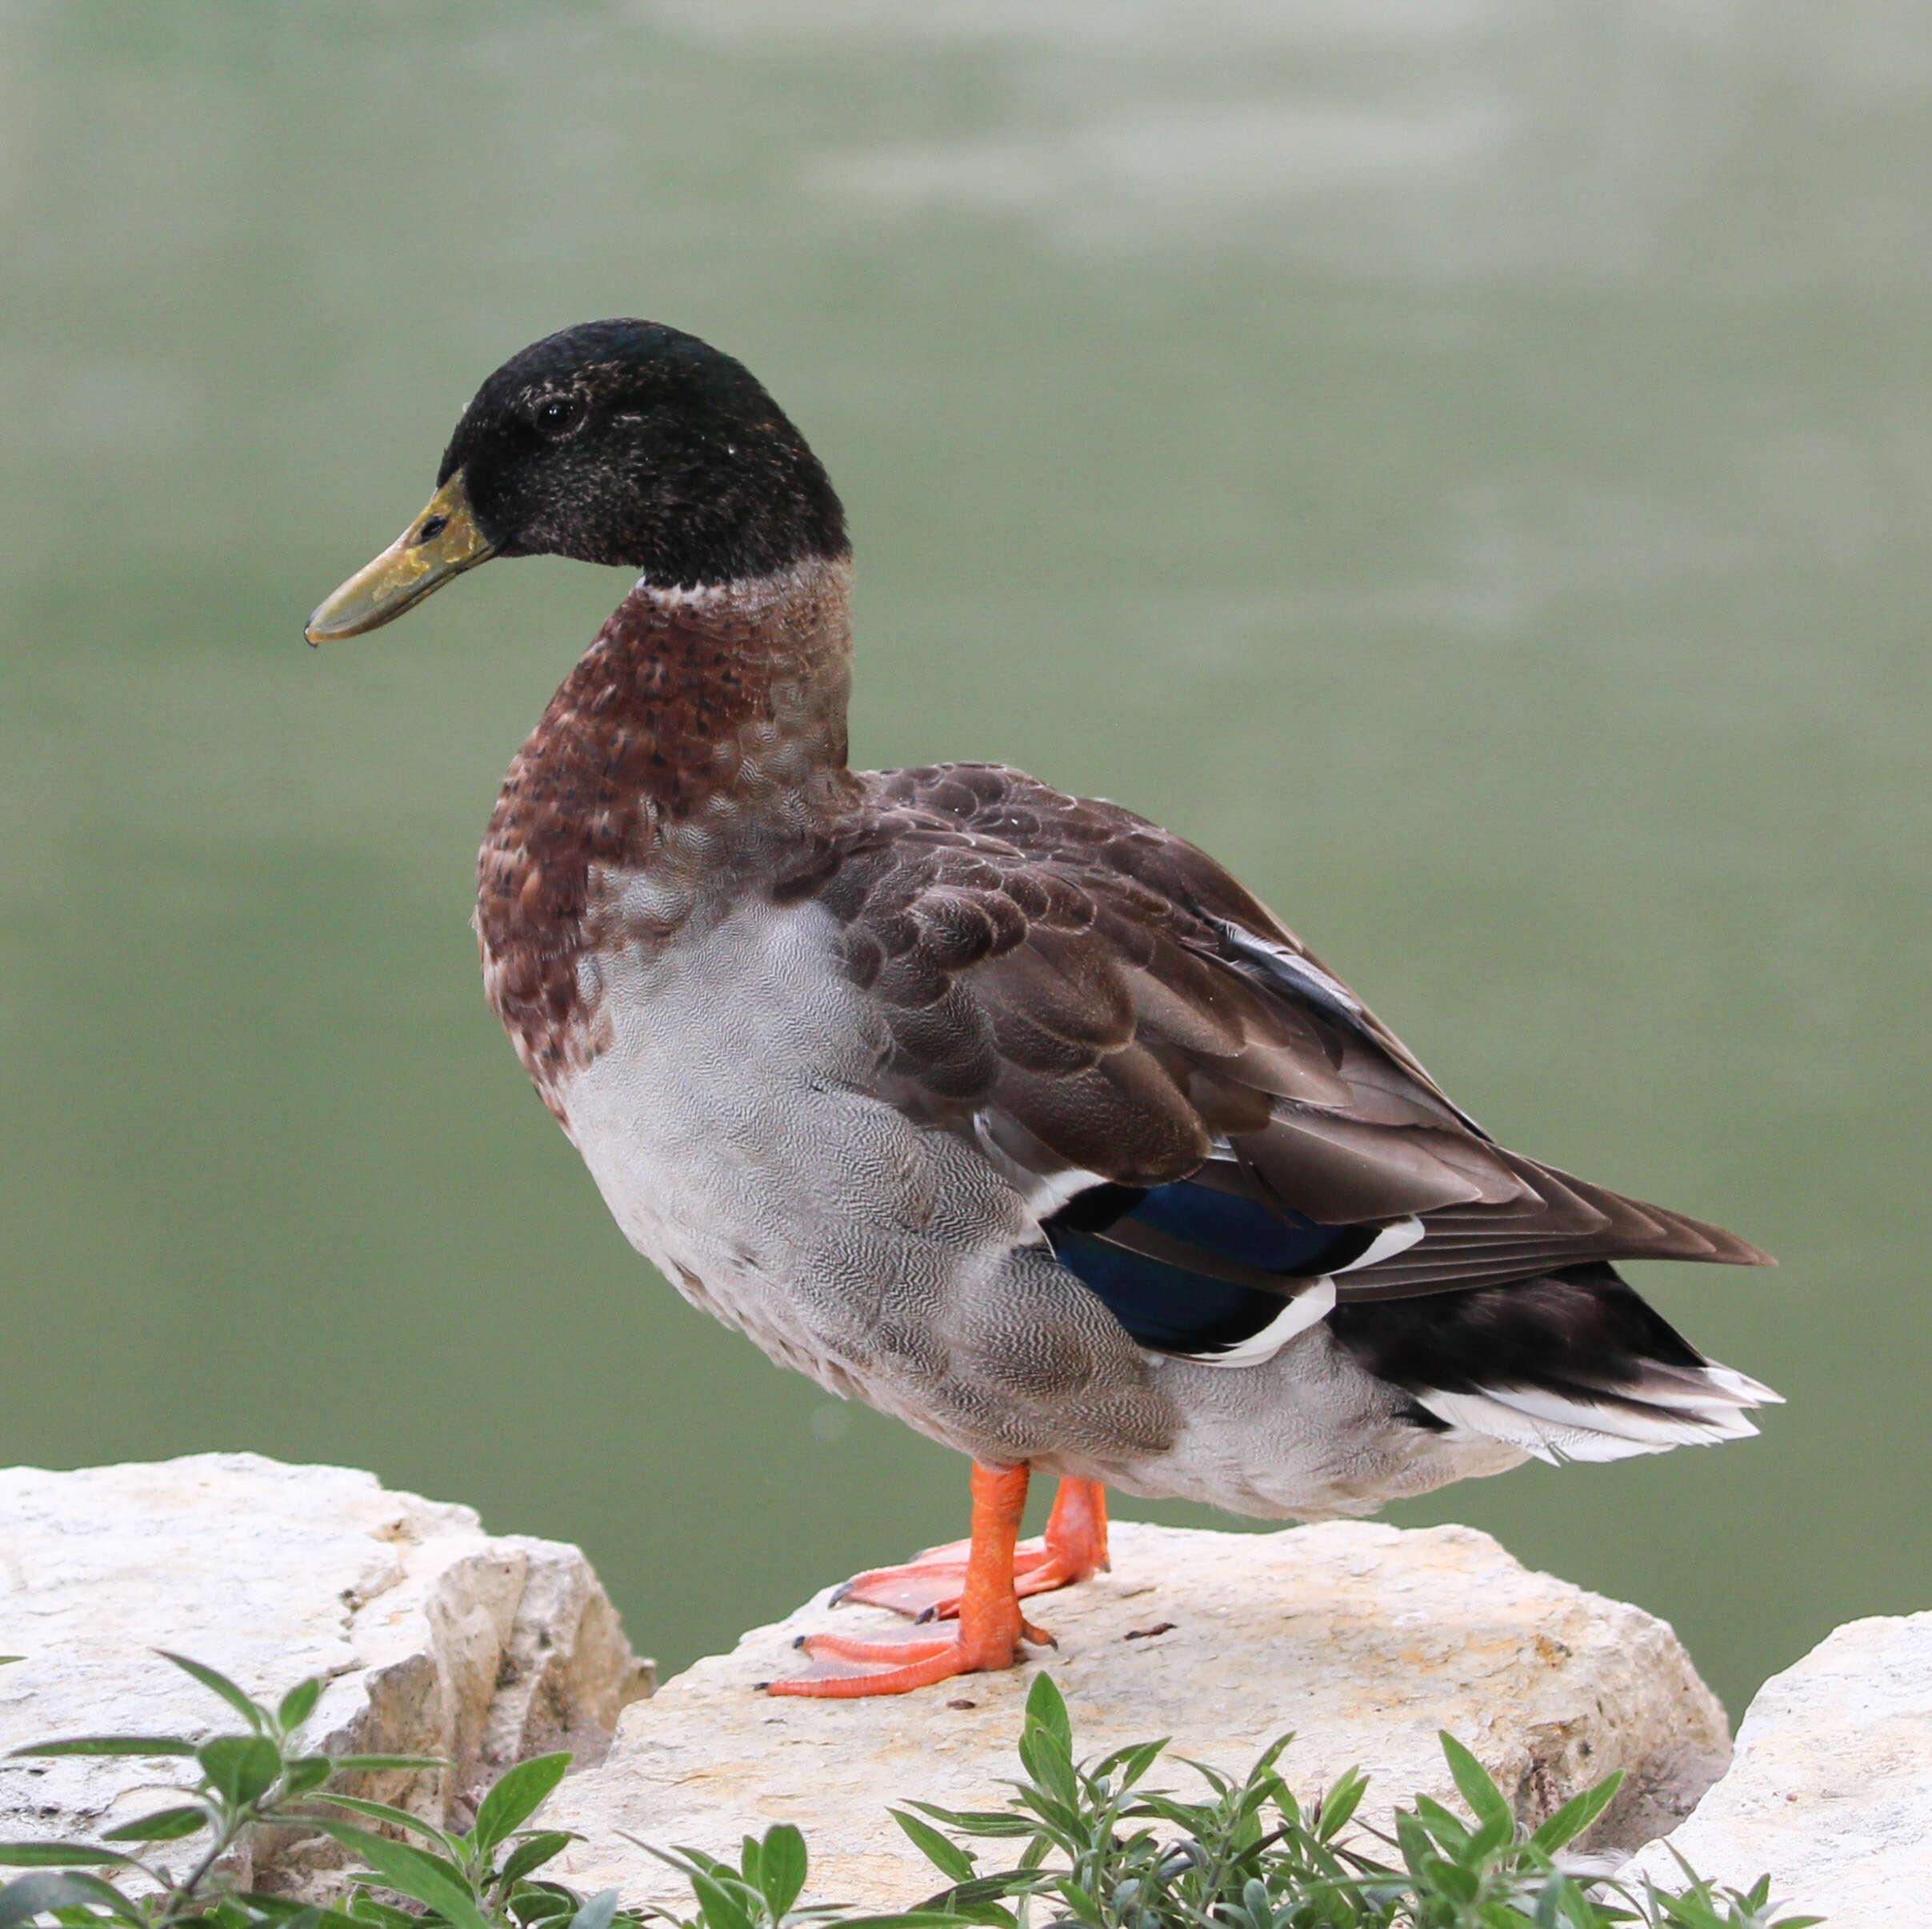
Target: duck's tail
x=1569, y=1366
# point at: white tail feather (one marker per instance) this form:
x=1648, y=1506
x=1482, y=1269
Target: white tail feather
x=1679, y=1408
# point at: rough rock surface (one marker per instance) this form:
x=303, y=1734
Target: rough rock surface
x=436, y=1638
x=1364, y=1639
x=1831, y=1791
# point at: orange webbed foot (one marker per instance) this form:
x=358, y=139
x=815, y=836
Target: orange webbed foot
x=843, y=1668
x=924, y=1588
x=982, y=1589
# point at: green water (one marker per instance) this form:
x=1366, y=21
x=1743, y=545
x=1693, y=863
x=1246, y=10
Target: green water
x=1468, y=464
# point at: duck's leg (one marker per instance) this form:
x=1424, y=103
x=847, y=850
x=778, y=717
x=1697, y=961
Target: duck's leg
x=1074, y=1546
x=991, y=1629
x=927, y=1588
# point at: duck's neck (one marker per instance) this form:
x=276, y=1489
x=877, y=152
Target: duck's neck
x=720, y=699
x=701, y=734
x=720, y=707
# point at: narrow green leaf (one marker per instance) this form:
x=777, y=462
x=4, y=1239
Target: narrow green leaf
x=1449, y=1830
x=534, y=1851
x=110, y=1744
x=305, y=1773
x=517, y=1795
x=683, y=1857
x=1265, y=1763
x=1487, y=1802
x=251, y=1712
x=242, y=1767
x=1339, y=1806
x=409, y=1871
x=1046, y=1709
x=598, y=1913
x=289, y=1910
x=164, y=1825
x=976, y=1821
x=721, y=1909
x=387, y=1811
x=1563, y=1900
x=975, y=1897
x=1214, y=1778
x=370, y=1764
x=364, y=1907
x=781, y=1867
x=1451, y=1878
x=1132, y=1764
x=1047, y=1759
x=1413, y=1839
x=31, y=1896
x=986, y=1916
x=110, y=1899
x=279, y=1908
x=1576, y=1815
x=947, y=1856
x=1061, y=1820
x=57, y=1855
x=539, y=1902
x=299, y=1703
x=1185, y=1816
x=1086, y=1907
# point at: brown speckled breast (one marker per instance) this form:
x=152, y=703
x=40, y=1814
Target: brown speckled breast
x=700, y=734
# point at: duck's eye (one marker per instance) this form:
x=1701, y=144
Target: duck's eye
x=558, y=415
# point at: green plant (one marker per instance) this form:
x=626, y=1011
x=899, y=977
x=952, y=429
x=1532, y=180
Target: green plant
x=762, y=1891
x=262, y=1777
x=483, y=1878
x=1096, y=1848
x=1102, y=1850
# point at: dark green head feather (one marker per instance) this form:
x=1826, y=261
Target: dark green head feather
x=626, y=442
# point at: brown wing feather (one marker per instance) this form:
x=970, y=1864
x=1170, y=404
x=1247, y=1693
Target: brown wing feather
x=1093, y=994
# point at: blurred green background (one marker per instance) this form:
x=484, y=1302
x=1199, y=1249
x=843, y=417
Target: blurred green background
x=1466, y=462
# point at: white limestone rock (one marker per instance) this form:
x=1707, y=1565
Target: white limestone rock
x=1831, y=1791
x=435, y=1637
x=1364, y=1639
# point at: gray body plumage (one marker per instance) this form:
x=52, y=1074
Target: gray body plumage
x=734, y=1123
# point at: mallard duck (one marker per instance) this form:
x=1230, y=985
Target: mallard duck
x=1004, y=1111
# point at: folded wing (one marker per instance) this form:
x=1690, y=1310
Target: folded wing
x=1214, y=1130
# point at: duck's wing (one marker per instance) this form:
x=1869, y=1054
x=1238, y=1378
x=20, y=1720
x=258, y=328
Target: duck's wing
x=1206, y=1120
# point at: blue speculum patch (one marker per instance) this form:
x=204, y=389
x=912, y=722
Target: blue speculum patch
x=1168, y=1307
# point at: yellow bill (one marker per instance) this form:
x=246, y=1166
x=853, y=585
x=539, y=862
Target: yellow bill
x=441, y=542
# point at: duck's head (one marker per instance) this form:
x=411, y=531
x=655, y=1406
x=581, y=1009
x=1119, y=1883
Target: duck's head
x=614, y=441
